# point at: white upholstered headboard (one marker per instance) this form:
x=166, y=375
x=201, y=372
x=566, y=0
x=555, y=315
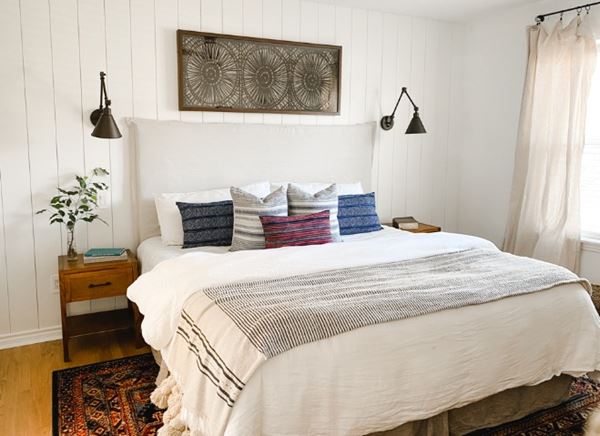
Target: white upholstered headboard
x=173, y=156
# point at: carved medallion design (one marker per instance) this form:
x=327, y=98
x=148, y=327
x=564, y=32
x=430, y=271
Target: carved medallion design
x=231, y=73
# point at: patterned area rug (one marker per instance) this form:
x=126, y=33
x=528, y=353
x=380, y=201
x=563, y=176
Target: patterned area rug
x=113, y=398
x=108, y=398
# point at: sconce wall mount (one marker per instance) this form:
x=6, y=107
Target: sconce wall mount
x=102, y=118
x=414, y=127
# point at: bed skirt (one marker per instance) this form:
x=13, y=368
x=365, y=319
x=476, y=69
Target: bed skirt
x=497, y=409
x=500, y=408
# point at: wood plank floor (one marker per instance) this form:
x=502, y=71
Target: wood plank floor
x=26, y=377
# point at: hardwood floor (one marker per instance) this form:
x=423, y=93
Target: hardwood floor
x=26, y=377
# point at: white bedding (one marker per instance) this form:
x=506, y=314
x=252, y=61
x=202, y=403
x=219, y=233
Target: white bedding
x=378, y=377
x=153, y=251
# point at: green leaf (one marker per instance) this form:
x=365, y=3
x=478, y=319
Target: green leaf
x=99, y=172
x=41, y=211
x=66, y=192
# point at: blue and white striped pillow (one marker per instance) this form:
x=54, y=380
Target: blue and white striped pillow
x=248, y=232
x=301, y=202
x=358, y=214
x=206, y=224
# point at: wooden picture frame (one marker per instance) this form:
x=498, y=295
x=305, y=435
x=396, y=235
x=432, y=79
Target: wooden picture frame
x=230, y=73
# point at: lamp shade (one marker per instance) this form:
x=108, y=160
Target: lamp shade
x=106, y=126
x=415, y=126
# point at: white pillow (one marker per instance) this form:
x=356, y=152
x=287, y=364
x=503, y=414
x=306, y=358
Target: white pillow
x=169, y=218
x=314, y=187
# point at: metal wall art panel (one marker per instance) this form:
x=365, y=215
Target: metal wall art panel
x=229, y=73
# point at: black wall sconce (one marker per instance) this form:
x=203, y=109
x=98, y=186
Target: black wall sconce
x=415, y=125
x=102, y=118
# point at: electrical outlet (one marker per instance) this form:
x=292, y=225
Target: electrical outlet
x=54, y=284
x=103, y=199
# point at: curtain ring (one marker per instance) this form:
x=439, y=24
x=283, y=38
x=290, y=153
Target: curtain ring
x=587, y=9
x=579, y=11
x=561, y=16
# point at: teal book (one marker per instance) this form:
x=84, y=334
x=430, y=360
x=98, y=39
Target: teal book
x=103, y=252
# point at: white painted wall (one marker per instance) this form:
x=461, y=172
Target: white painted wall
x=495, y=64
x=53, y=50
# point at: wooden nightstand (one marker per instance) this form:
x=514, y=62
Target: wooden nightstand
x=423, y=228
x=79, y=282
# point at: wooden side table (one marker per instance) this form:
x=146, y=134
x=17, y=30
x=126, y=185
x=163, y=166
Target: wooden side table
x=423, y=228
x=80, y=282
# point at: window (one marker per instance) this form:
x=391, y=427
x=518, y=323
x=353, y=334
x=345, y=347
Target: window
x=590, y=177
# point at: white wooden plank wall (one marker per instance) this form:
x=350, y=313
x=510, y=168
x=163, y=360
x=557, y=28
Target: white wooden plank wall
x=53, y=51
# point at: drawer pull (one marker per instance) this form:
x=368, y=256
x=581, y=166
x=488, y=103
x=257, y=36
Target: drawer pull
x=99, y=285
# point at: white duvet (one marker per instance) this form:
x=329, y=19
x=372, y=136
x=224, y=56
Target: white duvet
x=378, y=377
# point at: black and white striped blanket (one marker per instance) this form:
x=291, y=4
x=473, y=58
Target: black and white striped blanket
x=228, y=331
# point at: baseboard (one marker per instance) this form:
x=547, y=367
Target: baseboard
x=30, y=337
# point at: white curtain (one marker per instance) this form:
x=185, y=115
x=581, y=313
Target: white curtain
x=544, y=217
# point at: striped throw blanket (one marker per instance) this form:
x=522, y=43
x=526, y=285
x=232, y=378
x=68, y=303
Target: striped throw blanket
x=225, y=333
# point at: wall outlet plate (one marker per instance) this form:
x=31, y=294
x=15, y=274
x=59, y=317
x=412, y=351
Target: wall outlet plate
x=103, y=199
x=54, y=284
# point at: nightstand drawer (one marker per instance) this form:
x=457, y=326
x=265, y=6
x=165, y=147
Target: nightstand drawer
x=87, y=286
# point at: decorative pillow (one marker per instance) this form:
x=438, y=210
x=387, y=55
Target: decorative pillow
x=206, y=224
x=290, y=231
x=169, y=218
x=247, y=209
x=312, y=187
x=357, y=214
x=301, y=202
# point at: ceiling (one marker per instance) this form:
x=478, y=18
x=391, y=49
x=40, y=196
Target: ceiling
x=450, y=10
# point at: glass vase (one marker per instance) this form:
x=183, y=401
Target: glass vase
x=71, y=250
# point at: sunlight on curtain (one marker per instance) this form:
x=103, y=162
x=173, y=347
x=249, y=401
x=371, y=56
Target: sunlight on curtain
x=590, y=170
x=545, y=208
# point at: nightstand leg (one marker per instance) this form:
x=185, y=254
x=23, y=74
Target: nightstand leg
x=137, y=325
x=65, y=342
x=65, y=332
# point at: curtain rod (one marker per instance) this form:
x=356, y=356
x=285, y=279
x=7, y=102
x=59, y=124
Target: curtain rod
x=540, y=18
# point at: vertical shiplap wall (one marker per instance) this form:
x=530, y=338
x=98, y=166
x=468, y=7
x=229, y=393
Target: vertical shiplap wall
x=53, y=50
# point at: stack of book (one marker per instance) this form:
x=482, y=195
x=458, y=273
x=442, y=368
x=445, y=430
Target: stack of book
x=94, y=255
x=406, y=223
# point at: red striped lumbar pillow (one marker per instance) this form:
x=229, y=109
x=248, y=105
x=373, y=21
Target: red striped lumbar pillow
x=288, y=231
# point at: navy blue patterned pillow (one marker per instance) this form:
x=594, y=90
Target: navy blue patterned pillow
x=357, y=214
x=206, y=224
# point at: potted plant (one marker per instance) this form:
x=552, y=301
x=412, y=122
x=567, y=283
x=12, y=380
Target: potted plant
x=77, y=203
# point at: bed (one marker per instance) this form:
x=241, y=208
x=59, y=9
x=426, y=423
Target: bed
x=442, y=372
